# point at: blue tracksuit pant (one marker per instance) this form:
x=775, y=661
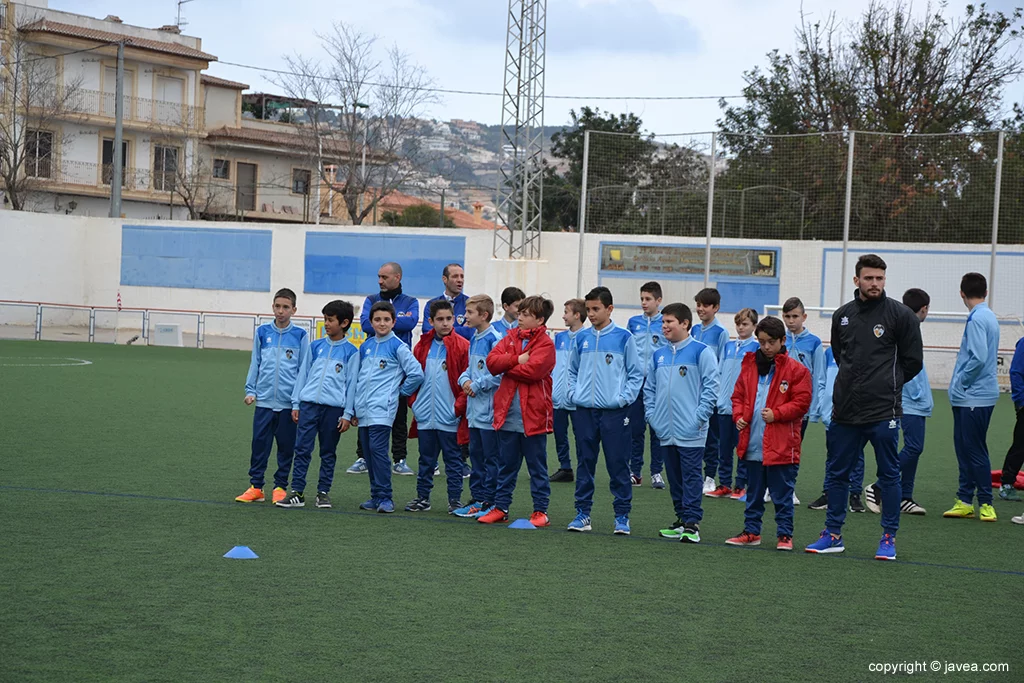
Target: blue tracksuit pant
x=375, y=441
x=638, y=429
x=711, y=447
x=316, y=420
x=485, y=458
x=515, y=447
x=913, y=446
x=848, y=442
x=856, y=473
x=595, y=428
x=970, y=431
x=685, y=484
x=562, y=438
x=728, y=437
x=434, y=442
x=780, y=480
x=268, y=425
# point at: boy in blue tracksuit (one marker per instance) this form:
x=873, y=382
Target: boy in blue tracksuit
x=326, y=384
x=917, y=408
x=1015, y=456
x=973, y=392
x=605, y=374
x=825, y=386
x=278, y=351
x=387, y=372
x=575, y=310
x=682, y=390
x=710, y=333
x=646, y=329
x=510, y=298
x=479, y=386
x=729, y=370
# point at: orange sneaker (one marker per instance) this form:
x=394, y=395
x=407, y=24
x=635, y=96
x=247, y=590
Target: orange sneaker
x=251, y=495
x=279, y=495
x=785, y=543
x=494, y=516
x=539, y=519
x=721, y=492
x=746, y=538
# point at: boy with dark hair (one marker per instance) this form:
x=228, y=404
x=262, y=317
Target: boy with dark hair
x=325, y=385
x=510, y=298
x=772, y=396
x=1015, y=456
x=479, y=385
x=729, y=368
x=387, y=370
x=682, y=388
x=973, y=393
x=574, y=311
x=279, y=349
x=646, y=329
x=439, y=406
x=710, y=333
x=605, y=375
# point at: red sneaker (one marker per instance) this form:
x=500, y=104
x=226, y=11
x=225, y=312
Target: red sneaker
x=737, y=493
x=785, y=543
x=721, y=492
x=494, y=516
x=746, y=539
x=539, y=519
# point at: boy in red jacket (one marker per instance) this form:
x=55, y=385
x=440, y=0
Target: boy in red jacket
x=772, y=395
x=523, y=413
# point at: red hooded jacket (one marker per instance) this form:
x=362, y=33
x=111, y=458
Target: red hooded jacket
x=457, y=351
x=789, y=397
x=532, y=379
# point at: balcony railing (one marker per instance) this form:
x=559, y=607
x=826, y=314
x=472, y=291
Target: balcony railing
x=97, y=176
x=169, y=115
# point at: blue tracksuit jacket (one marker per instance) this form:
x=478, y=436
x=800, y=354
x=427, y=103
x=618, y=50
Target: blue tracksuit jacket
x=974, y=383
x=714, y=335
x=604, y=368
x=826, y=384
x=459, y=307
x=386, y=368
x=328, y=376
x=681, y=391
x=1017, y=374
x=277, y=356
x=503, y=326
x=917, y=396
x=407, y=316
x=729, y=370
x=806, y=348
x=560, y=398
x=647, y=332
x=435, y=404
x=480, y=408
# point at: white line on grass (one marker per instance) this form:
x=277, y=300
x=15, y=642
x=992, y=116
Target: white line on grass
x=17, y=362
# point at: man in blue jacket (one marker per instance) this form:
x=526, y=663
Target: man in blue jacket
x=454, y=278
x=407, y=317
x=973, y=392
x=1015, y=456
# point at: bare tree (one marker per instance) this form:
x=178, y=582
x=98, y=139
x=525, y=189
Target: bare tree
x=33, y=100
x=376, y=140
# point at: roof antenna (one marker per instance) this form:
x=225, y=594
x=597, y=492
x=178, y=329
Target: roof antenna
x=181, y=22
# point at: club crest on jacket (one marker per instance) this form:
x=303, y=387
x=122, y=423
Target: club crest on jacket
x=879, y=331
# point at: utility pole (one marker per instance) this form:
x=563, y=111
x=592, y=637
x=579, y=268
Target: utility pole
x=115, y=181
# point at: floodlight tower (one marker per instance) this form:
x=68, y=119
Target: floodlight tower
x=521, y=176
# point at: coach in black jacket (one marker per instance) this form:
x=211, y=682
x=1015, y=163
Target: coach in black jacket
x=876, y=342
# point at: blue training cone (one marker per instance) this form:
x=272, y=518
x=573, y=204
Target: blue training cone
x=521, y=524
x=241, y=552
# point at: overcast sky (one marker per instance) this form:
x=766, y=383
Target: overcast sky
x=595, y=47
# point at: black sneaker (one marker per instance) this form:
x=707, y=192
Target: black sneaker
x=323, y=500
x=418, y=505
x=562, y=475
x=856, y=505
x=453, y=505
x=873, y=498
x=820, y=504
x=294, y=500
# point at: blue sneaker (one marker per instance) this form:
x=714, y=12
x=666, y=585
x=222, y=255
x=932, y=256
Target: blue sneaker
x=386, y=506
x=369, y=505
x=401, y=468
x=469, y=510
x=886, y=548
x=826, y=543
x=622, y=525
x=581, y=523
x=358, y=467
x=483, y=511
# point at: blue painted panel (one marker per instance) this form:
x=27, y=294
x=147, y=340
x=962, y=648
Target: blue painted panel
x=744, y=295
x=195, y=258
x=338, y=263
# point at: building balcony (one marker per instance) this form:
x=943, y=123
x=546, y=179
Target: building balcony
x=170, y=117
x=76, y=177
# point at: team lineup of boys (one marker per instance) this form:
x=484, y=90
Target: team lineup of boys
x=494, y=391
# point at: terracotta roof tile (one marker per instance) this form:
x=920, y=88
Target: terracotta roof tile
x=258, y=136
x=223, y=82
x=71, y=31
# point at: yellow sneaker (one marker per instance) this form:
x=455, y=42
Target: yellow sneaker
x=251, y=495
x=279, y=495
x=961, y=510
x=988, y=513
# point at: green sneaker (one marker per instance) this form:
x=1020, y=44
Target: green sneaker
x=675, y=531
x=987, y=513
x=960, y=510
x=691, y=534
x=1007, y=492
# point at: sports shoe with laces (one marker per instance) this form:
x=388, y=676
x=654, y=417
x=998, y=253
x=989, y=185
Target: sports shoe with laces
x=401, y=469
x=909, y=506
x=827, y=543
x=418, y=504
x=886, y=548
x=746, y=538
x=1019, y=519
x=784, y=543
x=674, y=530
x=960, y=510
x=721, y=492
x=856, y=504
x=493, y=517
x=370, y=504
x=358, y=467
x=386, y=507
x=621, y=525
x=453, y=505
x=738, y=494
x=636, y=480
x=292, y=500
x=1007, y=492
x=539, y=519
x=691, y=533
x=709, y=485
x=562, y=475
x=819, y=503
x=987, y=513
x=873, y=498
x=580, y=523
x=657, y=481
x=251, y=495
x=280, y=493
x=323, y=500
x=469, y=510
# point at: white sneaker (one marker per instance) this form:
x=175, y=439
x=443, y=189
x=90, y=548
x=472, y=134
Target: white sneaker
x=1019, y=519
x=709, y=484
x=796, y=501
x=657, y=482
x=767, y=496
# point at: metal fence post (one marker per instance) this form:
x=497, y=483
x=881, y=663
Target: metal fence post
x=583, y=212
x=995, y=223
x=39, y=322
x=711, y=211
x=92, y=324
x=846, y=216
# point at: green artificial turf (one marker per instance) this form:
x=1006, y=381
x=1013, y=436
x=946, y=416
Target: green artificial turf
x=116, y=488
